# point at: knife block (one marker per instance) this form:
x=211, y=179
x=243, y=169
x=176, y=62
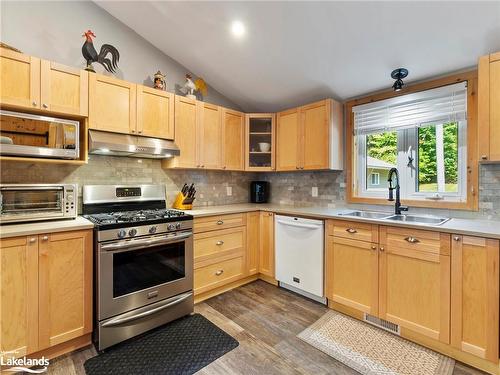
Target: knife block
x=178, y=203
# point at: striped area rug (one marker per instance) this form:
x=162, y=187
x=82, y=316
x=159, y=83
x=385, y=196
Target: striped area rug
x=370, y=350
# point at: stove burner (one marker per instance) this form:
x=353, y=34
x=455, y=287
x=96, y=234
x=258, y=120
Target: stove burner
x=134, y=216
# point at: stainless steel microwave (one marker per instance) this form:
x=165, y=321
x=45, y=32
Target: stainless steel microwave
x=35, y=202
x=23, y=134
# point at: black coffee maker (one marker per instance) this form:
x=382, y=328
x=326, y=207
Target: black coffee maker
x=259, y=191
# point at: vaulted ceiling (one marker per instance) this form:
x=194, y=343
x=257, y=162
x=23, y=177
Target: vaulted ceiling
x=295, y=52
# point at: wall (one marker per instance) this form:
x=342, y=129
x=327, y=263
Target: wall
x=53, y=30
x=210, y=185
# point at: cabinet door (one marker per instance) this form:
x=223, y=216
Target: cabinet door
x=64, y=89
x=112, y=104
x=287, y=140
x=19, y=296
x=253, y=242
x=315, y=142
x=233, y=140
x=65, y=286
x=415, y=280
x=155, y=113
x=266, y=256
x=352, y=273
x=210, y=137
x=20, y=77
x=475, y=295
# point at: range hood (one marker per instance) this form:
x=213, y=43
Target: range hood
x=106, y=143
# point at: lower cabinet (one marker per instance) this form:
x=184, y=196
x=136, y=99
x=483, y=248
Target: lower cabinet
x=45, y=290
x=266, y=254
x=253, y=242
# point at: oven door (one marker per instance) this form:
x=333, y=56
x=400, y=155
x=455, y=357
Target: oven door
x=141, y=271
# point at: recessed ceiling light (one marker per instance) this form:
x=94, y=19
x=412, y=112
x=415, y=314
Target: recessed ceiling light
x=238, y=29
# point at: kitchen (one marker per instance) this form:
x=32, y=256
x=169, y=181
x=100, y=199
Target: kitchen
x=126, y=208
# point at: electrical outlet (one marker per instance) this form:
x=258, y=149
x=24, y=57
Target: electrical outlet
x=229, y=190
x=314, y=191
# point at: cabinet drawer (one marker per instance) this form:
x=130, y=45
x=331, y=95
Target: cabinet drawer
x=415, y=240
x=353, y=230
x=204, y=224
x=219, y=242
x=218, y=274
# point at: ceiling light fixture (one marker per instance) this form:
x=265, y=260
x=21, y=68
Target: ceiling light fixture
x=238, y=29
x=398, y=75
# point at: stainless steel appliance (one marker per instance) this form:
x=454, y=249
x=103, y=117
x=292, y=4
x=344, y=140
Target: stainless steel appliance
x=34, y=202
x=143, y=260
x=23, y=134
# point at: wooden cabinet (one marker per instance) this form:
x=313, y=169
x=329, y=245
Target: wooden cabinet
x=253, y=242
x=208, y=223
x=155, y=113
x=31, y=83
x=19, y=296
x=65, y=286
x=45, y=290
x=489, y=107
x=352, y=273
x=63, y=89
x=233, y=140
x=260, y=145
x=266, y=254
x=112, y=104
x=475, y=296
x=209, y=137
x=414, y=289
x=310, y=137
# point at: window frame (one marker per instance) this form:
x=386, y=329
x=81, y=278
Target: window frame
x=467, y=139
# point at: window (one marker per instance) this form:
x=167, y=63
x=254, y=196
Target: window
x=423, y=135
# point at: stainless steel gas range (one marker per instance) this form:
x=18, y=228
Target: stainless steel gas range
x=143, y=260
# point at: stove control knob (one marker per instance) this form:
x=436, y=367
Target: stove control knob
x=153, y=229
x=178, y=225
x=121, y=233
x=132, y=232
x=171, y=227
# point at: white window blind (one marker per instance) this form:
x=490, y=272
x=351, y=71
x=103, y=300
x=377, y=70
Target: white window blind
x=439, y=105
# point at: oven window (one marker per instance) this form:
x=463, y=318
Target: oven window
x=141, y=269
x=20, y=202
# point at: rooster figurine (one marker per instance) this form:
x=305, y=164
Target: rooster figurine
x=90, y=54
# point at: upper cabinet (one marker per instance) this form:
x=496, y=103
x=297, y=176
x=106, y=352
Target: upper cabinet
x=260, y=142
x=34, y=84
x=310, y=137
x=112, y=104
x=209, y=137
x=233, y=140
x=489, y=107
x=155, y=113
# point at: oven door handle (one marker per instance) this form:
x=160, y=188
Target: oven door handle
x=141, y=244
x=167, y=303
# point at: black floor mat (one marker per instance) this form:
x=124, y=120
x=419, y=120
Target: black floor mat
x=180, y=347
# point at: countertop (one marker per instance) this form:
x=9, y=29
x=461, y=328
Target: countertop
x=472, y=227
x=50, y=226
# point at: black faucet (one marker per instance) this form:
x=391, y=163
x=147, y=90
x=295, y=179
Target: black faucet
x=397, y=206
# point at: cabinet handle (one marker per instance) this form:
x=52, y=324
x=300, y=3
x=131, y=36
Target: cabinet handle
x=34, y=103
x=456, y=238
x=411, y=239
x=270, y=214
x=32, y=240
x=374, y=247
x=219, y=243
x=45, y=106
x=224, y=167
x=297, y=167
x=484, y=157
x=219, y=272
x=203, y=166
x=220, y=222
x=139, y=131
x=133, y=131
x=351, y=230
x=45, y=238
x=382, y=248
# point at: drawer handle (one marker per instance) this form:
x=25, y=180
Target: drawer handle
x=411, y=239
x=484, y=157
x=32, y=240
x=374, y=247
x=351, y=230
x=219, y=272
x=45, y=238
x=382, y=248
x=220, y=222
x=456, y=238
x=219, y=243
x=45, y=106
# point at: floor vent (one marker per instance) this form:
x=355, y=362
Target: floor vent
x=381, y=323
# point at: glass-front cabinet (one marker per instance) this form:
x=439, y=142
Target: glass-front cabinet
x=260, y=142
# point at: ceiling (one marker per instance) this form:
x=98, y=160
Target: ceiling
x=297, y=52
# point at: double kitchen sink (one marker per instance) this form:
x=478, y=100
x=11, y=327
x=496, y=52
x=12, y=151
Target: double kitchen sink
x=414, y=219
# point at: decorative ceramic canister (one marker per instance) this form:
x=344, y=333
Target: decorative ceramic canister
x=159, y=81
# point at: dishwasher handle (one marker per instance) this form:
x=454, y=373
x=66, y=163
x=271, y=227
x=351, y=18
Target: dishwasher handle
x=299, y=225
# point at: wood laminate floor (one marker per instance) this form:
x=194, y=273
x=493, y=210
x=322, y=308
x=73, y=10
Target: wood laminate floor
x=265, y=320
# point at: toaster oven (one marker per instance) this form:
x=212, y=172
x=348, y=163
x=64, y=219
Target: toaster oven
x=27, y=202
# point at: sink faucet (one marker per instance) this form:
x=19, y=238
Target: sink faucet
x=397, y=206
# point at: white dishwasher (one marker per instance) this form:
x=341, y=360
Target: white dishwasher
x=299, y=248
